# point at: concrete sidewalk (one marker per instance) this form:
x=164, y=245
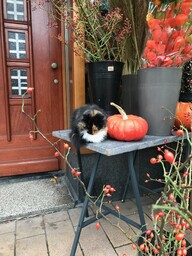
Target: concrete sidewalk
x=52, y=234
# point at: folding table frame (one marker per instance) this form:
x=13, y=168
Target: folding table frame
x=111, y=148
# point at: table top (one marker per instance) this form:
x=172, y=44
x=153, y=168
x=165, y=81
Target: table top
x=111, y=147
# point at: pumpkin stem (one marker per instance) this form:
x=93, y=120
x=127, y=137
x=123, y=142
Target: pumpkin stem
x=121, y=111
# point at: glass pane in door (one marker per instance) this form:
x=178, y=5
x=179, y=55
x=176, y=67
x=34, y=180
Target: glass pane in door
x=18, y=81
x=15, y=10
x=17, y=45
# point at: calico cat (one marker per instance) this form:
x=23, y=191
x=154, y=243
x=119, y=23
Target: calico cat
x=89, y=124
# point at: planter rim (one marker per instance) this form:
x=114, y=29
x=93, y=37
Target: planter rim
x=160, y=68
x=104, y=61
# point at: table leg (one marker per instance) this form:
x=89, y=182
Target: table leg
x=136, y=189
x=81, y=192
x=127, y=182
x=84, y=209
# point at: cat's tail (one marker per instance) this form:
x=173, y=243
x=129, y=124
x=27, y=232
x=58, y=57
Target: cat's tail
x=76, y=140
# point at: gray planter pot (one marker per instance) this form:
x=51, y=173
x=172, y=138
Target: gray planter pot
x=158, y=94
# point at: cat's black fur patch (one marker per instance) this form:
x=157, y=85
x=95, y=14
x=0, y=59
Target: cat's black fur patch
x=87, y=120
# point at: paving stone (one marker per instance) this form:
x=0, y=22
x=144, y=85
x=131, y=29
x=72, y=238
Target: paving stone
x=127, y=250
x=56, y=216
x=116, y=235
x=135, y=217
x=189, y=236
x=148, y=210
x=31, y=246
x=95, y=243
x=7, y=227
x=75, y=215
x=126, y=208
x=60, y=237
x=145, y=200
x=7, y=244
x=30, y=227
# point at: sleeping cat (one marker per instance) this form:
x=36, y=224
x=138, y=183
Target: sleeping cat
x=88, y=125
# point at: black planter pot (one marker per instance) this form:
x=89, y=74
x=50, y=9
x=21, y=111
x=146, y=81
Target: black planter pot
x=185, y=97
x=104, y=79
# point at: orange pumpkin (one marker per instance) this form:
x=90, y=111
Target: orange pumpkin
x=183, y=115
x=126, y=127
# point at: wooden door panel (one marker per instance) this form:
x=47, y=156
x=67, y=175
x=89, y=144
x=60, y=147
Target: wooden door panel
x=18, y=154
x=30, y=166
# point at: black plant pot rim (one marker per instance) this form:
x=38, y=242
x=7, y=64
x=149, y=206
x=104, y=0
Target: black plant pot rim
x=105, y=61
x=185, y=97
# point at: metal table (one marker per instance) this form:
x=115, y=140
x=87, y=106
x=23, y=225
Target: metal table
x=110, y=148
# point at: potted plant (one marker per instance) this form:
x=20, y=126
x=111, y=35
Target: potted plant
x=171, y=214
x=167, y=48
x=136, y=10
x=99, y=33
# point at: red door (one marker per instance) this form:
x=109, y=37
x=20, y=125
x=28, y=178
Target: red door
x=28, y=47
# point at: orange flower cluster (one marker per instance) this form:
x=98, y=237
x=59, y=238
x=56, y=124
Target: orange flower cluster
x=170, y=34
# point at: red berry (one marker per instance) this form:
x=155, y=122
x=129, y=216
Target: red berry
x=30, y=89
x=179, y=132
x=148, y=231
x=106, y=190
x=159, y=157
x=187, y=225
x=161, y=214
x=112, y=189
x=77, y=173
x=97, y=225
x=31, y=136
x=184, y=251
x=153, y=160
x=146, y=249
x=73, y=171
x=183, y=243
x=171, y=197
x=155, y=251
x=134, y=246
x=117, y=207
x=142, y=247
x=169, y=156
x=179, y=236
x=66, y=146
x=56, y=154
x=179, y=252
x=185, y=174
